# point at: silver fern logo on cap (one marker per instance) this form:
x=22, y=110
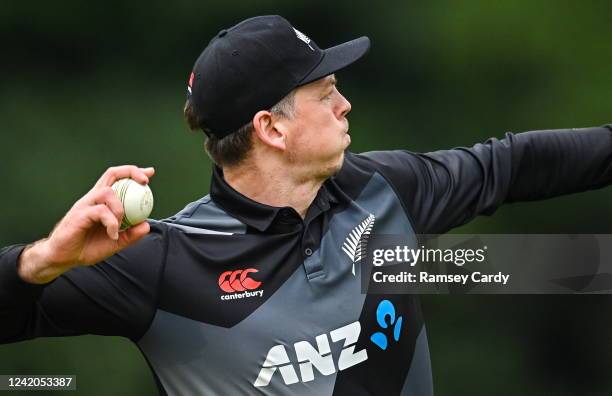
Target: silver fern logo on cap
x=303, y=37
x=355, y=242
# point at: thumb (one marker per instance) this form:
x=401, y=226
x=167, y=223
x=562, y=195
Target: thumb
x=133, y=234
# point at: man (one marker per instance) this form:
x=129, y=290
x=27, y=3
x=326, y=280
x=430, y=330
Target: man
x=256, y=288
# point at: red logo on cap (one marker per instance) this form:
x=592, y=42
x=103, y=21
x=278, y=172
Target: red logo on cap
x=238, y=280
x=190, y=83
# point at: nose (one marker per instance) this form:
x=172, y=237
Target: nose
x=345, y=105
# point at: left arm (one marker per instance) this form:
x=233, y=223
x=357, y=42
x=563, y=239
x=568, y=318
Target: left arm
x=445, y=189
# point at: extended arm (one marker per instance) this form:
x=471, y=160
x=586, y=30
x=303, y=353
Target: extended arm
x=447, y=188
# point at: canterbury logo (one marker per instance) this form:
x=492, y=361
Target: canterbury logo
x=355, y=242
x=238, y=281
x=303, y=37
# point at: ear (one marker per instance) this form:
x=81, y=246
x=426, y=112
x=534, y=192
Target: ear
x=269, y=130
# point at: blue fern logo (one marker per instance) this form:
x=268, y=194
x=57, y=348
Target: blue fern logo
x=385, y=316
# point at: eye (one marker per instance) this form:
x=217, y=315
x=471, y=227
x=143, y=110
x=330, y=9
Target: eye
x=328, y=95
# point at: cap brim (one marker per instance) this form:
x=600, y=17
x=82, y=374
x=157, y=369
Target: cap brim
x=338, y=57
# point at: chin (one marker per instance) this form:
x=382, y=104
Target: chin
x=336, y=166
x=347, y=137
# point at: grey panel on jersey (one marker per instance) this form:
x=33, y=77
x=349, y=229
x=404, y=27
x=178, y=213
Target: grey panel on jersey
x=205, y=214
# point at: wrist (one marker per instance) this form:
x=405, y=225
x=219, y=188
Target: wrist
x=37, y=264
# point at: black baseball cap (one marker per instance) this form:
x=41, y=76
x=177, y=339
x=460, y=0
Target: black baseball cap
x=253, y=65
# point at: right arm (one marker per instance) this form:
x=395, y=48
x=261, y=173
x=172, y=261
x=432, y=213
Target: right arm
x=117, y=296
x=52, y=288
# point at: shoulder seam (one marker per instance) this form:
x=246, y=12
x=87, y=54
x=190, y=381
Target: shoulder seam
x=397, y=195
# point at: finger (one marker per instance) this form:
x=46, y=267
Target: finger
x=150, y=171
x=105, y=196
x=124, y=171
x=101, y=214
x=133, y=234
x=93, y=196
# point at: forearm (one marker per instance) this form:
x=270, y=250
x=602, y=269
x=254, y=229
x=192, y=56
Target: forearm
x=55, y=287
x=17, y=298
x=84, y=299
x=13, y=288
x=551, y=163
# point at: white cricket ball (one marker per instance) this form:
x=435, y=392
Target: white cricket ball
x=137, y=200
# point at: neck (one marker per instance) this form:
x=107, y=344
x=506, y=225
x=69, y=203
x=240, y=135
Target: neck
x=273, y=187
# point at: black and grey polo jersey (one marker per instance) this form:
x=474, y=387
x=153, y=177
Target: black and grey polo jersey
x=233, y=297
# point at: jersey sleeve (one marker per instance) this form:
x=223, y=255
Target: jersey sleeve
x=445, y=189
x=117, y=296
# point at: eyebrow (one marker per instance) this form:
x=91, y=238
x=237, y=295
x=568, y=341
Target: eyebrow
x=330, y=82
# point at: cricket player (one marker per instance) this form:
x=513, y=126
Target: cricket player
x=255, y=288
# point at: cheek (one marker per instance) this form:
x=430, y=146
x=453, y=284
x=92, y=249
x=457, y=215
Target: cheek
x=317, y=136
x=308, y=145
x=311, y=145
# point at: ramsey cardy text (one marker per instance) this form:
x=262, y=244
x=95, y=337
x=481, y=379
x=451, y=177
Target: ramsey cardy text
x=425, y=277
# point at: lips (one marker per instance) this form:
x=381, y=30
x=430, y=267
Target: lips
x=346, y=126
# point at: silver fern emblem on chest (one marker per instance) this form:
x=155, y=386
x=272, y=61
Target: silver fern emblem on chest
x=355, y=242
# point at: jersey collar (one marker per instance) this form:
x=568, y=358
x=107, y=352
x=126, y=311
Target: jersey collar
x=258, y=215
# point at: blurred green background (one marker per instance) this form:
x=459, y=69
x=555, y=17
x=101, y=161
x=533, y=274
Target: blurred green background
x=87, y=85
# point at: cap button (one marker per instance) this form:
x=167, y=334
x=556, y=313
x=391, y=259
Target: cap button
x=222, y=33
